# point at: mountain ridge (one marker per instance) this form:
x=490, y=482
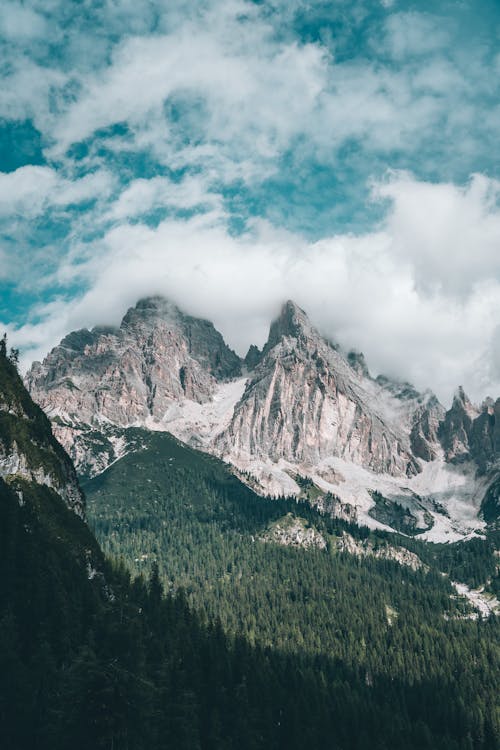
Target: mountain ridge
x=301, y=407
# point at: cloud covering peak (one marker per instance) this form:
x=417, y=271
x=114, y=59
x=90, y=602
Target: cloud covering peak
x=231, y=155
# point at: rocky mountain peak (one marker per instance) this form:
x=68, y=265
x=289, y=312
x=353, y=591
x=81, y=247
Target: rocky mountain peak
x=253, y=357
x=78, y=340
x=462, y=403
x=292, y=322
x=204, y=343
x=456, y=429
x=484, y=435
x=149, y=310
x=305, y=402
x=303, y=408
x=133, y=373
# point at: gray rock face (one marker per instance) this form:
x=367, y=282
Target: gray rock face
x=334, y=507
x=422, y=413
x=358, y=363
x=424, y=435
x=456, y=429
x=130, y=374
x=304, y=408
x=252, y=357
x=14, y=463
x=347, y=543
x=28, y=449
x=305, y=402
x=484, y=436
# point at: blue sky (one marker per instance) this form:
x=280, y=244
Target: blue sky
x=232, y=154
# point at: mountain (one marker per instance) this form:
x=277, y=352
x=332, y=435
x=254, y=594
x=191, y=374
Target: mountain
x=89, y=658
x=129, y=375
x=300, y=408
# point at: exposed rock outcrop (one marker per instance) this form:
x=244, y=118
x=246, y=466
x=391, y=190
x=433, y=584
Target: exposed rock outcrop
x=291, y=531
x=334, y=507
x=424, y=435
x=366, y=548
x=302, y=408
x=305, y=402
x=28, y=449
x=456, y=428
x=129, y=375
x=253, y=357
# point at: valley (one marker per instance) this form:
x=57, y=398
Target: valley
x=284, y=606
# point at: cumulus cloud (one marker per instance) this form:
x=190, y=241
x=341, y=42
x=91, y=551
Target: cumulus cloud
x=20, y=22
x=450, y=235
x=252, y=86
x=221, y=77
x=142, y=195
x=29, y=190
x=413, y=33
x=166, y=127
x=392, y=293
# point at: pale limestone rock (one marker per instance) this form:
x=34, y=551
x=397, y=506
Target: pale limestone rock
x=457, y=427
x=347, y=543
x=304, y=406
x=294, y=532
x=305, y=403
x=60, y=477
x=334, y=507
x=15, y=464
x=130, y=375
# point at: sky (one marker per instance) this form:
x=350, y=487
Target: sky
x=231, y=155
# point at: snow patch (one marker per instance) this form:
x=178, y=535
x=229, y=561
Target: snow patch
x=485, y=604
x=198, y=424
x=450, y=495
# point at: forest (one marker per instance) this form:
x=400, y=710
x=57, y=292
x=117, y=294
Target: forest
x=170, y=506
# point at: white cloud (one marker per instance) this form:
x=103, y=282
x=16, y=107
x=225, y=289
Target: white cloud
x=413, y=33
x=20, y=22
x=216, y=90
x=28, y=191
x=246, y=95
x=450, y=235
x=251, y=85
x=143, y=195
x=392, y=293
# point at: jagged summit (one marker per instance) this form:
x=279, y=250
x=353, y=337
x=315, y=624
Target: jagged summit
x=305, y=402
x=149, y=311
x=303, y=406
x=157, y=353
x=292, y=322
x=252, y=357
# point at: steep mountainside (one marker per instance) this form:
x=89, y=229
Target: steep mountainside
x=29, y=453
x=305, y=402
x=303, y=408
x=130, y=375
x=38, y=481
